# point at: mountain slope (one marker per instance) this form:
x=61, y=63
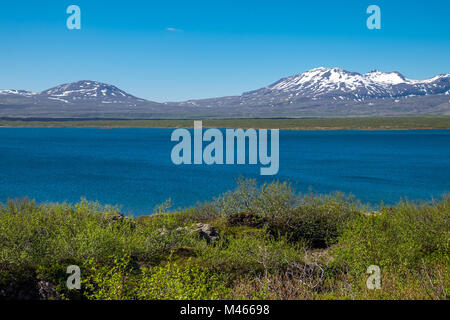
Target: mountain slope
x=334, y=84
x=89, y=91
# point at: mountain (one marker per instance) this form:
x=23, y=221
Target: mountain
x=81, y=99
x=342, y=84
x=322, y=92
x=89, y=91
x=81, y=92
x=335, y=84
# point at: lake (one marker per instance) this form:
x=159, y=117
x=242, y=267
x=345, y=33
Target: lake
x=133, y=168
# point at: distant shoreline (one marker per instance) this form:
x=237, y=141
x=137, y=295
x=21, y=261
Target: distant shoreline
x=309, y=124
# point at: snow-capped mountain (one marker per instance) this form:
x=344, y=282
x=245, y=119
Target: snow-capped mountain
x=84, y=99
x=77, y=92
x=88, y=91
x=327, y=88
x=336, y=83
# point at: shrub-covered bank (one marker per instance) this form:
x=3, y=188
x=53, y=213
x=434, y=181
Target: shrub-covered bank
x=256, y=242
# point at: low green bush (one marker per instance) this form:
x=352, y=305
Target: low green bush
x=174, y=281
x=255, y=254
x=267, y=199
x=317, y=220
x=407, y=235
x=170, y=281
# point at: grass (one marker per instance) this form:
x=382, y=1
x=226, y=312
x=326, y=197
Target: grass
x=363, y=123
x=273, y=244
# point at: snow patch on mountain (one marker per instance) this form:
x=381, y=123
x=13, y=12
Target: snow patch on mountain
x=17, y=92
x=388, y=78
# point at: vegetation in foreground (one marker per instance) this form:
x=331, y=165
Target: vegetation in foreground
x=362, y=123
x=256, y=242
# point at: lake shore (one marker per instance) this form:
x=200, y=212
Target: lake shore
x=313, y=124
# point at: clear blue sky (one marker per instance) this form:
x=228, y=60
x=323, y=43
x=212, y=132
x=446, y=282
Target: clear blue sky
x=219, y=47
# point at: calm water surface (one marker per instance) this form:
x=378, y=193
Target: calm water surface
x=132, y=167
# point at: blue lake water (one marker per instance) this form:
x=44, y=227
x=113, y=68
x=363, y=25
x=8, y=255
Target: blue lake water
x=133, y=167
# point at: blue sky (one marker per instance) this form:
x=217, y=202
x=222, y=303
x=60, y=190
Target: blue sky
x=177, y=50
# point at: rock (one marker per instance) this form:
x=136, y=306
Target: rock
x=47, y=290
x=162, y=231
x=118, y=218
x=28, y=288
x=206, y=232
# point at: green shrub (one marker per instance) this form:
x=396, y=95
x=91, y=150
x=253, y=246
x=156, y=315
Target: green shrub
x=174, y=281
x=109, y=282
x=171, y=281
x=318, y=220
x=255, y=254
x=406, y=235
x=268, y=199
